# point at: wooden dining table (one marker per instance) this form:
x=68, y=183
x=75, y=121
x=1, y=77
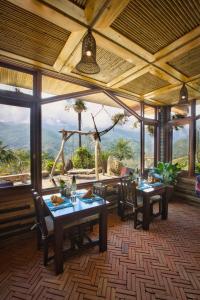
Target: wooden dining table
x=79, y=210
x=146, y=194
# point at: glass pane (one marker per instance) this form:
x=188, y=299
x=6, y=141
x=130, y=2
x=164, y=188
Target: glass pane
x=180, y=147
x=149, y=146
x=178, y=112
x=120, y=146
x=197, y=167
x=52, y=87
x=15, y=81
x=134, y=105
x=149, y=112
x=197, y=107
x=14, y=145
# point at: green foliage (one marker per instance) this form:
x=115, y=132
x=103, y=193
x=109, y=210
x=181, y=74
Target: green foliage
x=6, y=155
x=79, y=106
x=83, y=158
x=48, y=165
x=121, y=149
x=121, y=118
x=167, y=172
x=197, y=168
x=47, y=161
x=61, y=183
x=22, y=162
x=104, y=155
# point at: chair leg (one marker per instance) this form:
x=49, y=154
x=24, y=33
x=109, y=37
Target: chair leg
x=39, y=238
x=45, y=252
x=135, y=219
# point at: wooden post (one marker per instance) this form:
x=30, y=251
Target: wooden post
x=97, y=158
x=57, y=157
x=79, y=128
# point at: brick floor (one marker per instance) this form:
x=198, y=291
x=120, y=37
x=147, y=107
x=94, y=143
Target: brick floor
x=163, y=263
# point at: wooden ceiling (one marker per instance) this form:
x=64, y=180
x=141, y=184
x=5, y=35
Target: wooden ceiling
x=145, y=48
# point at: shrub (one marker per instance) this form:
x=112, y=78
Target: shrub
x=83, y=159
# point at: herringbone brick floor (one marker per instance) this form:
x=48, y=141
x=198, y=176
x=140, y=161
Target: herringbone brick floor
x=163, y=263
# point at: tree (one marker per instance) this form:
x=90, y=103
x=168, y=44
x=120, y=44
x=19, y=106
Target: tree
x=83, y=158
x=47, y=161
x=79, y=107
x=22, y=162
x=121, y=149
x=6, y=155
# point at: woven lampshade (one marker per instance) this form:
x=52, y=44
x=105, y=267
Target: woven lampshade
x=183, y=95
x=183, y=100
x=88, y=62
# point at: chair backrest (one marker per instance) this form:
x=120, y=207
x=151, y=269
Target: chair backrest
x=99, y=189
x=39, y=212
x=128, y=192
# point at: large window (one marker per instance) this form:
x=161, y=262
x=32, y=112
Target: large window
x=149, y=146
x=14, y=145
x=15, y=81
x=180, y=146
x=120, y=146
x=197, y=164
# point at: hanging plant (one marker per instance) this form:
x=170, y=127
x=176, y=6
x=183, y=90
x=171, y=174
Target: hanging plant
x=79, y=106
x=175, y=117
x=121, y=118
x=150, y=129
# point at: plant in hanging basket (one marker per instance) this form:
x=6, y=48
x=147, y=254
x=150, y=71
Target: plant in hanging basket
x=175, y=117
x=119, y=118
x=79, y=106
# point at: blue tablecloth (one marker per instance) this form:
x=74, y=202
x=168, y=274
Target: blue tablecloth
x=65, y=204
x=91, y=200
x=144, y=185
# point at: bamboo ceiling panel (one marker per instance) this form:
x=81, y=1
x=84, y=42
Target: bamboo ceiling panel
x=100, y=98
x=16, y=79
x=79, y=3
x=172, y=97
x=53, y=86
x=154, y=24
x=26, y=34
x=134, y=105
x=195, y=84
x=111, y=66
x=187, y=63
x=144, y=84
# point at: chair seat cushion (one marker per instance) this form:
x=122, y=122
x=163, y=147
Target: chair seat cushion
x=155, y=199
x=50, y=225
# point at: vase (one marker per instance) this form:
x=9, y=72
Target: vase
x=63, y=192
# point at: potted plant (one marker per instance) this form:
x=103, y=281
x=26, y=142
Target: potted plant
x=167, y=173
x=119, y=118
x=79, y=106
x=62, y=187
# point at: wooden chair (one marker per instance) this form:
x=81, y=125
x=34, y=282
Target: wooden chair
x=74, y=231
x=129, y=202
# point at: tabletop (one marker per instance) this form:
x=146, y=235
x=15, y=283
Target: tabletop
x=68, y=208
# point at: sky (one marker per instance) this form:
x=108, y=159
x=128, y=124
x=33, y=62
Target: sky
x=55, y=113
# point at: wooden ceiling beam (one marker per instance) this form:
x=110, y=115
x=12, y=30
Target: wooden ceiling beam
x=71, y=95
x=68, y=8
x=40, y=9
x=93, y=10
x=36, y=64
x=178, y=43
x=128, y=44
x=71, y=44
x=110, y=13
